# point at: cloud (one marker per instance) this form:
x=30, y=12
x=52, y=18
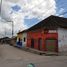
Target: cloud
x=7, y=16
x=13, y=1
x=29, y=9
x=5, y=28
x=61, y=12
x=5, y=10
x=38, y=8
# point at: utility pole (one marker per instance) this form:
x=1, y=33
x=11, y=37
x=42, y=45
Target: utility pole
x=12, y=28
x=5, y=32
x=12, y=23
x=7, y=21
x=0, y=6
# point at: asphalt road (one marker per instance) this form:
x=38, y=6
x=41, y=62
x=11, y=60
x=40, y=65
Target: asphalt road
x=14, y=57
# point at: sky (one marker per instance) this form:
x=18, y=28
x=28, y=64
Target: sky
x=26, y=13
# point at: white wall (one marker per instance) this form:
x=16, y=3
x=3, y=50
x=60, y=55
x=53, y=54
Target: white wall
x=62, y=39
x=24, y=35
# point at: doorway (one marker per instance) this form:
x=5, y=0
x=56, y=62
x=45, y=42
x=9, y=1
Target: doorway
x=32, y=43
x=39, y=43
x=51, y=45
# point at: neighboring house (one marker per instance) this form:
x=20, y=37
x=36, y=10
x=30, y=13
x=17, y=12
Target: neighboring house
x=13, y=41
x=21, y=39
x=48, y=35
x=5, y=40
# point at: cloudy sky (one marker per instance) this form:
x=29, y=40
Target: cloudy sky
x=25, y=13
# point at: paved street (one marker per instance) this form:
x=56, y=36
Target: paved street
x=14, y=57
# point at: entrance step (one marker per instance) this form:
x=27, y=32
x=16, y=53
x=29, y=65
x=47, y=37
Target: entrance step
x=46, y=53
x=51, y=54
x=36, y=51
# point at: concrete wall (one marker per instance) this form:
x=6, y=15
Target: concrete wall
x=44, y=36
x=24, y=35
x=19, y=36
x=62, y=39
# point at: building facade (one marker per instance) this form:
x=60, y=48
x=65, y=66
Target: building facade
x=48, y=35
x=21, y=39
x=13, y=41
x=43, y=40
x=62, y=39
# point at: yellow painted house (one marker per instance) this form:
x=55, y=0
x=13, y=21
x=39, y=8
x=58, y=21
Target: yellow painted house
x=22, y=38
x=19, y=35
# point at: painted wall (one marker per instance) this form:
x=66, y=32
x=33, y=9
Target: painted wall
x=24, y=35
x=19, y=36
x=13, y=41
x=43, y=35
x=62, y=39
x=19, y=43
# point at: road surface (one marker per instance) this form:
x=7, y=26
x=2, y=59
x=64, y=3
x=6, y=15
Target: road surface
x=14, y=57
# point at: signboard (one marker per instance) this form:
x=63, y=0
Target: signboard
x=52, y=31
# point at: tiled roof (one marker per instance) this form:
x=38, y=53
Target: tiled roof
x=52, y=22
x=22, y=31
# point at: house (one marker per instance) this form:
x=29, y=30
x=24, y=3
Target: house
x=5, y=40
x=49, y=34
x=21, y=39
x=13, y=41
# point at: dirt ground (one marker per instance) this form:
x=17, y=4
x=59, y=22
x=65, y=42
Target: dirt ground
x=14, y=57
